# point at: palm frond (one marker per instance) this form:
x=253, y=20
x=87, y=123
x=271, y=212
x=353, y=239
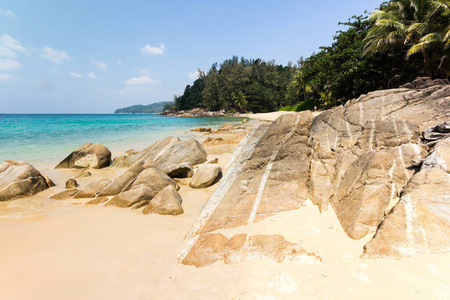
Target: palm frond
x=417, y=48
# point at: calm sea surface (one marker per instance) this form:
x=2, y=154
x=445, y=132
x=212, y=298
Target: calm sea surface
x=44, y=140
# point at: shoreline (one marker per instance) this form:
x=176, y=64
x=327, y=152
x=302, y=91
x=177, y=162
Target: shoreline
x=63, y=249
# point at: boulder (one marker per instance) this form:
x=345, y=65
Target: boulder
x=124, y=181
x=436, y=133
x=19, y=179
x=205, y=175
x=439, y=157
x=71, y=184
x=182, y=170
x=419, y=223
x=166, y=202
x=244, y=247
x=155, y=179
x=64, y=195
x=93, y=156
x=178, y=152
x=138, y=196
x=165, y=153
x=92, y=189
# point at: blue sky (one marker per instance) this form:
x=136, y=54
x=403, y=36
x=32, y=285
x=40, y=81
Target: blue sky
x=96, y=56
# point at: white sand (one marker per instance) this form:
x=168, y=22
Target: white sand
x=59, y=250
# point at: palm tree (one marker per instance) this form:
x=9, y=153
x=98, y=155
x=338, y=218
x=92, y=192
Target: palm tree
x=417, y=25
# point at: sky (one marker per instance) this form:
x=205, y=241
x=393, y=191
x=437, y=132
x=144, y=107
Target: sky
x=89, y=56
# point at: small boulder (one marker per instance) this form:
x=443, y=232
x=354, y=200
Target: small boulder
x=93, y=156
x=205, y=176
x=71, y=184
x=92, y=189
x=64, y=195
x=182, y=170
x=166, y=202
x=139, y=196
x=18, y=179
x=155, y=179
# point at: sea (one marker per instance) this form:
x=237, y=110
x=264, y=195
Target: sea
x=43, y=140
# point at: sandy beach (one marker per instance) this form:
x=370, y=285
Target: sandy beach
x=63, y=249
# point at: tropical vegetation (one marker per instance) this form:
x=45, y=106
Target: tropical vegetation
x=400, y=41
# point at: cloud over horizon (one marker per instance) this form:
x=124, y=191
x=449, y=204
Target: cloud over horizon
x=142, y=81
x=56, y=56
x=92, y=76
x=150, y=50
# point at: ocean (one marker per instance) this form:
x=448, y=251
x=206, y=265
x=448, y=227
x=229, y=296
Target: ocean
x=43, y=140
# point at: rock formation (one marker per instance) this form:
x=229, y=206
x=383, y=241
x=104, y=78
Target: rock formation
x=205, y=175
x=19, y=179
x=373, y=160
x=166, y=202
x=93, y=156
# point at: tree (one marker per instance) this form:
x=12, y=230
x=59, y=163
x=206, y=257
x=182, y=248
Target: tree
x=414, y=26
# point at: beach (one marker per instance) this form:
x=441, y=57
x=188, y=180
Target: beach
x=63, y=249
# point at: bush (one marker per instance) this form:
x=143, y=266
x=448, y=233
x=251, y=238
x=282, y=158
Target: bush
x=305, y=105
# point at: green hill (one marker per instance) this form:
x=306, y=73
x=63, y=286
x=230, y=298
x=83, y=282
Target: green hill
x=154, y=108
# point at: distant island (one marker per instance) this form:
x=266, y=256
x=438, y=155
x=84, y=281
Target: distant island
x=154, y=108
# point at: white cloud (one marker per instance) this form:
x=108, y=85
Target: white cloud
x=142, y=81
x=92, y=76
x=99, y=64
x=193, y=75
x=10, y=46
x=8, y=64
x=154, y=50
x=7, y=13
x=6, y=77
x=54, y=55
x=76, y=75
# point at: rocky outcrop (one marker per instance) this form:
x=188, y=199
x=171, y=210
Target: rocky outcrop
x=370, y=160
x=20, y=179
x=214, y=247
x=198, y=112
x=419, y=223
x=93, y=156
x=166, y=202
x=92, y=189
x=138, y=197
x=165, y=153
x=205, y=175
x=267, y=173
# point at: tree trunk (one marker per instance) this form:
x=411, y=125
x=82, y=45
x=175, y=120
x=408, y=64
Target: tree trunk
x=442, y=69
x=426, y=62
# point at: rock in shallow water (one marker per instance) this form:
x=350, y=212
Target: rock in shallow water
x=18, y=178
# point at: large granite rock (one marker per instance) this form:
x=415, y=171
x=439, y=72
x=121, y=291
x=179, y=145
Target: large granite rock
x=20, y=179
x=165, y=153
x=205, y=175
x=419, y=223
x=181, y=170
x=93, y=156
x=267, y=173
x=155, y=179
x=92, y=189
x=166, y=202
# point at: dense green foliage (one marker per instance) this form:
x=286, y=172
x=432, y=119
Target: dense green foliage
x=417, y=27
x=240, y=84
x=402, y=40
x=154, y=108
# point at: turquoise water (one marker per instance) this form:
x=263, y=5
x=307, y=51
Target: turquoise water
x=44, y=140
